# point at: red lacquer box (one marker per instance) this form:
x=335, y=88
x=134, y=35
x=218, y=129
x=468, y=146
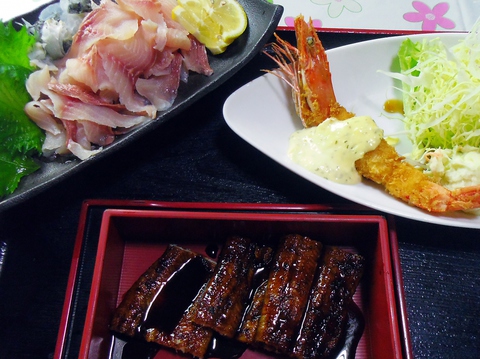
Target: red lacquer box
x=131, y=237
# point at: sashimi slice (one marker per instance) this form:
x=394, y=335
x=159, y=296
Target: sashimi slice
x=161, y=91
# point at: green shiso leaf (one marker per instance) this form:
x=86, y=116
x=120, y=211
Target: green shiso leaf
x=17, y=131
x=20, y=139
x=15, y=45
x=13, y=168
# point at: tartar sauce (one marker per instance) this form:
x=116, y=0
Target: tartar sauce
x=331, y=149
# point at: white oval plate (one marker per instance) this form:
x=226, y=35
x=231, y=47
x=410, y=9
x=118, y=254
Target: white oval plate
x=262, y=113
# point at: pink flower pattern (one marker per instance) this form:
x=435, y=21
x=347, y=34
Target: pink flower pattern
x=430, y=18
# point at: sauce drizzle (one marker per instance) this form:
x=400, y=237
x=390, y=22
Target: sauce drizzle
x=173, y=299
x=393, y=106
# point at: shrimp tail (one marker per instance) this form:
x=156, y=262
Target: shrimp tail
x=465, y=198
x=307, y=70
x=402, y=180
x=319, y=100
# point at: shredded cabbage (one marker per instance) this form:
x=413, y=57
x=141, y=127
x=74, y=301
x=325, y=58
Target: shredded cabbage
x=441, y=93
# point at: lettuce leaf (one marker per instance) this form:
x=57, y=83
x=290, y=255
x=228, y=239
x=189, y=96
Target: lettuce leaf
x=408, y=55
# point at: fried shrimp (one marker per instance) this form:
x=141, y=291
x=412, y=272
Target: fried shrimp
x=306, y=69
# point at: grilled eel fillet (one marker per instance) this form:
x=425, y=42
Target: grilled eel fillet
x=251, y=320
x=296, y=306
x=253, y=311
x=221, y=305
x=155, y=307
x=327, y=310
x=287, y=292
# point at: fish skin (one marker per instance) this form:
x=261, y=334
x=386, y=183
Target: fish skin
x=286, y=297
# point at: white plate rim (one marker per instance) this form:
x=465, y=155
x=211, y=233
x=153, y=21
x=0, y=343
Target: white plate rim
x=255, y=127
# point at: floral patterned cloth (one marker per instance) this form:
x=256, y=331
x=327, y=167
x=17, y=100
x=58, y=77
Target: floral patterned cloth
x=384, y=15
x=380, y=15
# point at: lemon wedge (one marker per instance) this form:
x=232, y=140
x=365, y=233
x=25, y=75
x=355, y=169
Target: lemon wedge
x=215, y=23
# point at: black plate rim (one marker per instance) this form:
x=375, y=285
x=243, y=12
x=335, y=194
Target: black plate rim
x=258, y=12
